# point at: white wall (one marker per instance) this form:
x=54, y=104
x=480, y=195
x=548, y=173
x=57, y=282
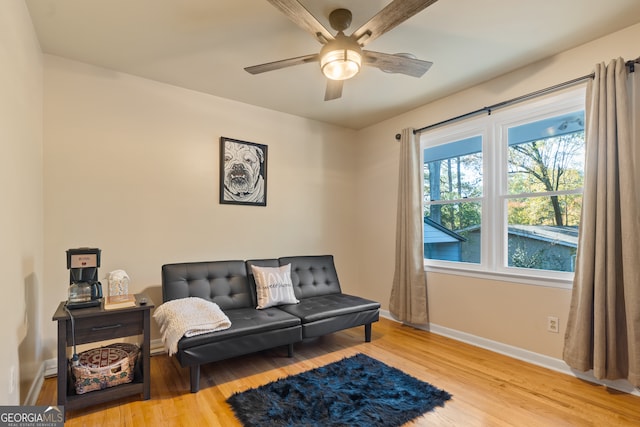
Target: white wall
x=509, y=313
x=131, y=167
x=21, y=195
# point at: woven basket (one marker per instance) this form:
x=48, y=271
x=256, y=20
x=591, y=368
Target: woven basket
x=133, y=351
x=100, y=368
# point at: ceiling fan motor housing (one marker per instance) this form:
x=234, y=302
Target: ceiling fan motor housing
x=340, y=19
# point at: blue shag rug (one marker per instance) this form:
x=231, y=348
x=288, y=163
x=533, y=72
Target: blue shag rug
x=355, y=391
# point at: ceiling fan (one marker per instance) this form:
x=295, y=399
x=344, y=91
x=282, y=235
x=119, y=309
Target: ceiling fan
x=342, y=56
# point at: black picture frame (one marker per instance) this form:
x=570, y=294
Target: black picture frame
x=243, y=172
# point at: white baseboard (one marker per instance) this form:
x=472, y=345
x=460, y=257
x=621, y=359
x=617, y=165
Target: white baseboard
x=542, y=360
x=36, y=386
x=50, y=368
x=156, y=347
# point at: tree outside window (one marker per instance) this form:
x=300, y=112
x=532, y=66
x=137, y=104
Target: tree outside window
x=545, y=179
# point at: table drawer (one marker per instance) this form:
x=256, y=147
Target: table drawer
x=91, y=329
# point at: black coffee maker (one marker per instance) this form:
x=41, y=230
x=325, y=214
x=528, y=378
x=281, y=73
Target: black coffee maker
x=84, y=288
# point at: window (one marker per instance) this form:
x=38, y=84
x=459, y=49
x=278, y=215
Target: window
x=452, y=200
x=503, y=192
x=544, y=184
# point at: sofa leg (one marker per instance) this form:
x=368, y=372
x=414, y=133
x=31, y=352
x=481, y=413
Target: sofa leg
x=194, y=374
x=367, y=332
x=290, y=350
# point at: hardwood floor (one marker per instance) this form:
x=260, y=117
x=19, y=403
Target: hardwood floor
x=488, y=389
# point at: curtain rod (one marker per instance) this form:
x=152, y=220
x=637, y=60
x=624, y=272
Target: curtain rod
x=489, y=109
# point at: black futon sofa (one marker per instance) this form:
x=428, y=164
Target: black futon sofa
x=322, y=309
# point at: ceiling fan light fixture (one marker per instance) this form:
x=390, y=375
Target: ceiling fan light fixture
x=341, y=58
x=341, y=64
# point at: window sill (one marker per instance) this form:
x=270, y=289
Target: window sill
x=511, y=277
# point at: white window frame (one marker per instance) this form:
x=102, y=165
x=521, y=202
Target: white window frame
x=493, y=130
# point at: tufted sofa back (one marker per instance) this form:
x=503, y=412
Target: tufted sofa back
x=230, y=284
x=313, y=275
x=223, y=282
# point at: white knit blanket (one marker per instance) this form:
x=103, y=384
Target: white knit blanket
x=188, y=317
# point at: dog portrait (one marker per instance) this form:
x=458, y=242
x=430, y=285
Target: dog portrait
x=243, y=172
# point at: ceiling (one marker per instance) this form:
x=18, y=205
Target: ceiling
x=204, y=45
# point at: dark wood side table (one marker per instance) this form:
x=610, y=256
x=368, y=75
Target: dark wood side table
x=97, y=324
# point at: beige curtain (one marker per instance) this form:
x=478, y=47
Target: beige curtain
x=603, y=329
x=408, y=301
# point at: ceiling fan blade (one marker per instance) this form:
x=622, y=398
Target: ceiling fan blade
x=276, y=65
x=391, y=16
x=397, y=63
x=334, y=89
x=303, y=18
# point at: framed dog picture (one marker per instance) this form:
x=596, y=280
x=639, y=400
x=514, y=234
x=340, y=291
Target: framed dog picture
x=243, y=172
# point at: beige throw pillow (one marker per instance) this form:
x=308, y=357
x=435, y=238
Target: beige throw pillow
x=274, y=286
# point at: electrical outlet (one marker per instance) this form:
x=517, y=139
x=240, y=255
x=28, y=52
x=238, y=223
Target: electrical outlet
x=13, y=380
x=552, y=324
